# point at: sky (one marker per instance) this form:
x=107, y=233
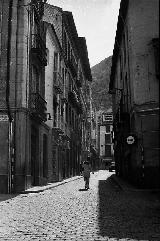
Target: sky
x=96, y=20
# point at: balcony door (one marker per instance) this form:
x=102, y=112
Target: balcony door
x=36, y=88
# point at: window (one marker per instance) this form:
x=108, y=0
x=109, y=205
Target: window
x=35, y=79
x=47, y=52
x=155, y=43
x=62, y=109
x=55, y=112
x=68, y=52
x=107, y=128
x=107, y=138
x=55, y=67
x=108, y=117
x=35, y=26
x=108, y=150
x=67, y=112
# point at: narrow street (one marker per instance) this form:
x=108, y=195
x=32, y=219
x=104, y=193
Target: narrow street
x=67, y=212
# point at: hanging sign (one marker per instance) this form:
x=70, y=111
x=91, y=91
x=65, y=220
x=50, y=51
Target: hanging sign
x=130, y=140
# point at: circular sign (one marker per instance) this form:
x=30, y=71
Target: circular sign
x=130, y=140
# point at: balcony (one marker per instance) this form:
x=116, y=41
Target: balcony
x=39, y=49
x=73, y=98
x=79, y=82
x=57, y=82
x=38, y=6
x=80, y=108
x=73, y=67
x=38, y=107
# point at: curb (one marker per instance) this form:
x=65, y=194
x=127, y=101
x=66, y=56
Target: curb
x=39, y=189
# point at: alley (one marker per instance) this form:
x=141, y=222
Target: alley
x=67, y=212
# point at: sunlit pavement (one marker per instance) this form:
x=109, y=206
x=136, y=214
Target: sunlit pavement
x=68, y=212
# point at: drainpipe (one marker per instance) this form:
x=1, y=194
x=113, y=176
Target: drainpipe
x=8, y=94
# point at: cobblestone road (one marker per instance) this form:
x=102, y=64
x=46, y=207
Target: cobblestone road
x=67, y=212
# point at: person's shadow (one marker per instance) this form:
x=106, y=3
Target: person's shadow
x=83, y=189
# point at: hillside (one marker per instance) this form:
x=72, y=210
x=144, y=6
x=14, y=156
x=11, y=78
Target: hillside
x=100, y=84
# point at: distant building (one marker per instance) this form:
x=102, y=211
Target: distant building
x=134, y=85
x=105, y=145
x=94, y=140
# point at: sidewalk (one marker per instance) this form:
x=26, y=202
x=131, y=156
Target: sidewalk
x=37, y=189
x=125, y=186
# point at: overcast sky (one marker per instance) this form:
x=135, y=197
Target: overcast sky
x=96, y=20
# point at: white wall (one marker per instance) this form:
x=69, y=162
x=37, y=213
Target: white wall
x=50, y=45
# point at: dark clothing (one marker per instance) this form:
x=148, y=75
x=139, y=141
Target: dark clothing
x=86, y=179
x=86, y=173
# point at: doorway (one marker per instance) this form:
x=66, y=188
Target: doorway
x=34, y=156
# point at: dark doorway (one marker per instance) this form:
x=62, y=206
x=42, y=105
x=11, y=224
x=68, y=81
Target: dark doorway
x=34, y=153
x=45, y=156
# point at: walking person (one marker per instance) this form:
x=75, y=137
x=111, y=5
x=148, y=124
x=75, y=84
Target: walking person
x=81, y=169
x=86, y=173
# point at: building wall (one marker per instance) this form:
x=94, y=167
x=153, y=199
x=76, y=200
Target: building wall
x=51, y=46
x=20, y=77
x=4, y=124
x=145, y=86
x=143, y=26
x=138, y=98
x=16, y=68
x=33, y=155
x=14, y=56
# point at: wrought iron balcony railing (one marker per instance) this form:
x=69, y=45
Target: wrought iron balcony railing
x=73, y=66
x=39, y=48
x=58, y=82
x=38, y=107
x=72, y=97
x=79, y=82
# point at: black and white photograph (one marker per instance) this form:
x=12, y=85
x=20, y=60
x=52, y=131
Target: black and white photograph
x=79, y=120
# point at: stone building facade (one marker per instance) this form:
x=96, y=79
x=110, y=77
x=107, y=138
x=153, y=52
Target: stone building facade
x=134, y=85
x=69, y=103
x=41, y=96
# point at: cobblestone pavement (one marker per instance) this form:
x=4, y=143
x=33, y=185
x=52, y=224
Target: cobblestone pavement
x=67, y=212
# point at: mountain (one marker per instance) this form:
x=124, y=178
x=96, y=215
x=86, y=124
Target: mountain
x=100, y=85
